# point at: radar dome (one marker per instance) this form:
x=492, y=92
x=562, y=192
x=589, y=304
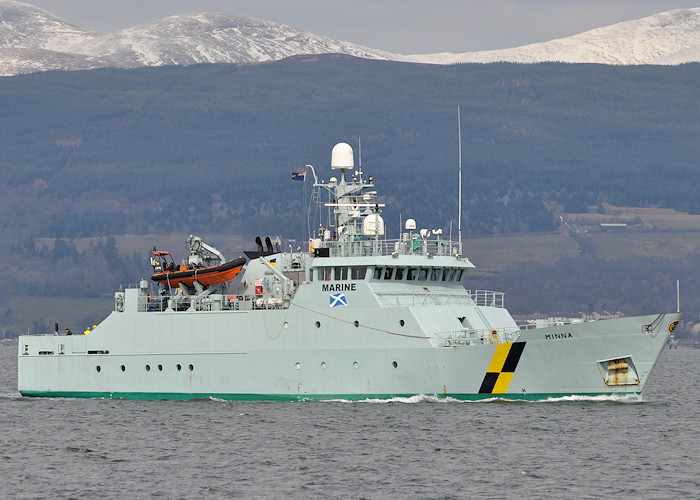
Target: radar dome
x=373, y=225
x=342, y=157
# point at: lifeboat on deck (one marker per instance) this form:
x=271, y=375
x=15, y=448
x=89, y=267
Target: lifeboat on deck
x=198, y=267
x=204, y=275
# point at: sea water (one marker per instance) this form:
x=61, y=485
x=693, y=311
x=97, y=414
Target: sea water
x=420, y=447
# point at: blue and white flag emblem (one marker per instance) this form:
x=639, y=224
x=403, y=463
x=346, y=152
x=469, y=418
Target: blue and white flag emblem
x=338, y=299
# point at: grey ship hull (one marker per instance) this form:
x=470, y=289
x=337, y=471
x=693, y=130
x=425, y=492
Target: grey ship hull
x=253, y=356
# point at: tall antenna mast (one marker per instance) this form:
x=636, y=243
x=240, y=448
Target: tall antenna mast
x=459, y=216
x=359, y=144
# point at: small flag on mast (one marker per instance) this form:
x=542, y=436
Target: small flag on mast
x=299, y=176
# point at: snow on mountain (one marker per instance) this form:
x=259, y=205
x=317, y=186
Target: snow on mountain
x=32, y=40
x=177, y=40
x=671, y=37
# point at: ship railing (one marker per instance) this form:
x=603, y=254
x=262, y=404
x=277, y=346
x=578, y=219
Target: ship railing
x=488, y=298
x=412, y=299
x=160, y=303
x=484, y=298
x=375, y=247
x=478, y=336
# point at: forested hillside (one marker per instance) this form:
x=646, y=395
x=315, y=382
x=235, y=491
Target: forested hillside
x=209, y=149
x=111, y=152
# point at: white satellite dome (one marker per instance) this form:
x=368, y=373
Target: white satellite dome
x=342, y=157
x=373, y=225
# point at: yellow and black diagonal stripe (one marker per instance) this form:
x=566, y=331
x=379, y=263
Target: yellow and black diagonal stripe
x=502, y=367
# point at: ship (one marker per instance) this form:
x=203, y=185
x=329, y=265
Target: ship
x=352, y=315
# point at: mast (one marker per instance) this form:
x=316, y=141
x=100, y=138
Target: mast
x=359, y=146
x=459, y=216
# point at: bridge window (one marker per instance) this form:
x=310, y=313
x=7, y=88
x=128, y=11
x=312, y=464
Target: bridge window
x=341, y=273
x=388, y=272
x=459, y=274
x=412, y=273
x=358, y=272
x=377, y=273
x=422, y=274
x=399, y=273
x=324, y=273
x=435, y=274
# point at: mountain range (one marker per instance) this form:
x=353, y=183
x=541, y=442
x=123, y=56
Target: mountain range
x=34, y=40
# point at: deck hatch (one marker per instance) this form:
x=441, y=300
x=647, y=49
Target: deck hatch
x=618, y=371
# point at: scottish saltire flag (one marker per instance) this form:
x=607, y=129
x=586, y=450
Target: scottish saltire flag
x=338, y=299
x=299, y=176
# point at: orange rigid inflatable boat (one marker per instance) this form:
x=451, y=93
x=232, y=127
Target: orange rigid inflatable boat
x=205, y=265
x=204, y=275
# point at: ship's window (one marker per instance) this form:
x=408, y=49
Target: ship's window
x=98, y=368
x=377, y=273
x=399, y=273
x=458, y=276
x=191, y=367
x=123, y=368
x=422, y=274
x=394, y=364
x=160, y=368
x=356, y=364
x=324, y=273
x=402, y=322
x=449, y=274
x=297, y=366
x=179, y=367
x=318, y=324
x=341, y=273
x=358, y=272
x=357, y=323
x=435, y=274
x=411, y=274
x=148, y=368
x=387, y=273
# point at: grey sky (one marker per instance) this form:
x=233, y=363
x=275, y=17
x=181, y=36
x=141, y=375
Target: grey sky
x=406, y=26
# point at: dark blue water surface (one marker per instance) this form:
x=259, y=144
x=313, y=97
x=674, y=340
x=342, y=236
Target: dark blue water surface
x=408, y=448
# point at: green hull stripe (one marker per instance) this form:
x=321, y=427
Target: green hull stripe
x=154, y=396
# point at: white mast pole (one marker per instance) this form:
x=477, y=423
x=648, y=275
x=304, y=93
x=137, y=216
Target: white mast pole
x=359, y=144
x=459, y=216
